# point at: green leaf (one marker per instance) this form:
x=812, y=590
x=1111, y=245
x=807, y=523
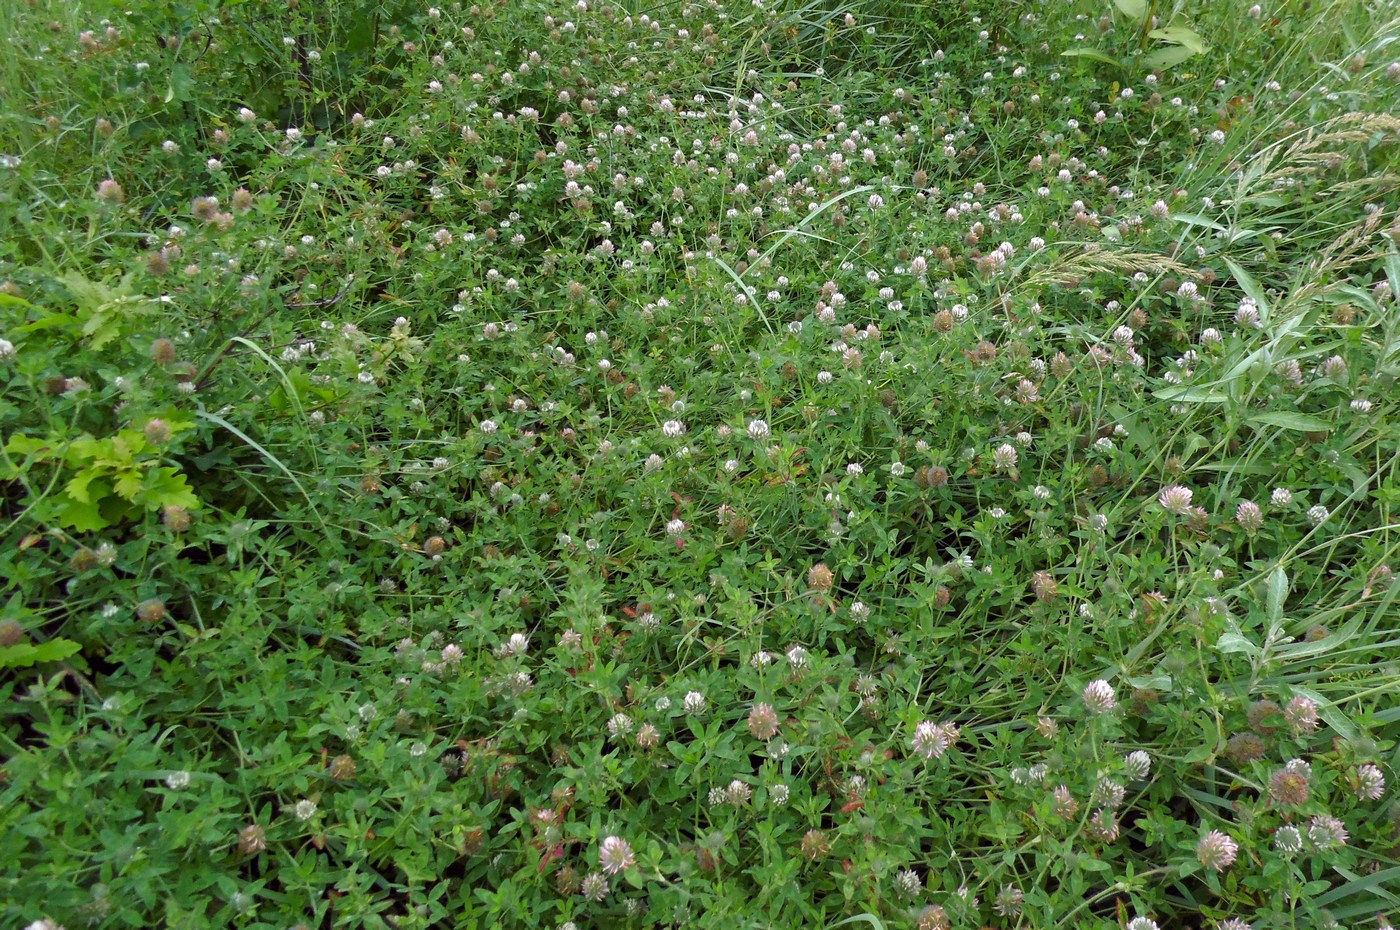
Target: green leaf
x=22, y=445
x=1375, y=884
x=78, y=486
x=1195, y=395
x=85, y=517
x=1250, y=286
x=1195, y=219
x=1180, y=35
x=1092, y=54
x=1289, y=419
x=168, y=487
x=1169, y=57
x=22, y=655
x=1233, y=642
x=128, y=483
x=49, y=321
x=1277, y=593
x=1137, y=9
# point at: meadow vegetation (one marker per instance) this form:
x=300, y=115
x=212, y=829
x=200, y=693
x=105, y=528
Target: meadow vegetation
x=702, y=463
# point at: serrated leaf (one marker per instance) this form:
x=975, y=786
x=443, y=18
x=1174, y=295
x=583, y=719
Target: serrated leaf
x=128, y=484
x=168, y=487
x=85, y=517
x=78, y=486
x=22, y=655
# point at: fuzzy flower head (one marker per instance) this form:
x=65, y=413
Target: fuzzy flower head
x=1369, y=782
x=763, y=722
x=1137, y=765
x=1288, y=840
x=595, y=886
x=1175, y=499
x=1217, y=851
x=1099, y=697
x=614, y=855
x=931, y=739
x=907, y=884
x=1249, y=517
x=1004, y=457
x=619, y=727
x=1327, y=832
x=1289, y=788
x=109, y=191
x=1301, y=714
x=1008, y=901
x=1064, y=805
x=694, y=703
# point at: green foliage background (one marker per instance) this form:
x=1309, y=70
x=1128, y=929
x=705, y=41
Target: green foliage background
x=366, y=529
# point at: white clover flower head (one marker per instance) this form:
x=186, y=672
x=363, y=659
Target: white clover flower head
x=907, y=884
x=177, y=781
x=1217, y=851
x=1369, y=782
x=1327, y=832
x=1137, y=765
x=932, y=739
x=1288, y=840
x=619, y=726
x=1004, y=457
x=615, y=855
x=1099, y=697
x=1175, y=499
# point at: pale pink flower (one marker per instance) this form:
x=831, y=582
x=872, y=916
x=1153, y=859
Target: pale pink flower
x=1175, y=499
x=614, y=855
x=1099, y=697
x=1217, y=851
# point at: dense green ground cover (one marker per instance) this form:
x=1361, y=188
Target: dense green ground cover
x=729, y=464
